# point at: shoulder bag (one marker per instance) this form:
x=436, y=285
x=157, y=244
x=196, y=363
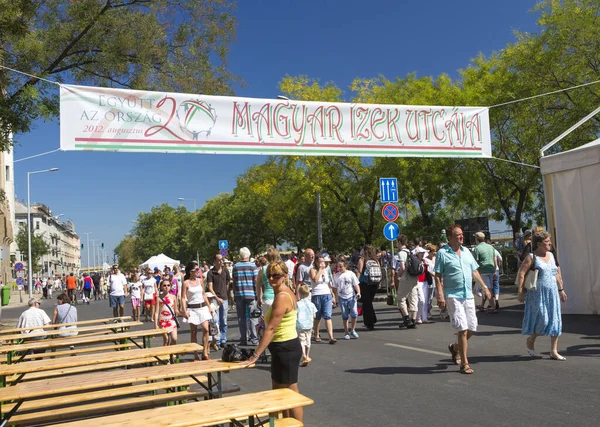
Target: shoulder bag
x=530, y=282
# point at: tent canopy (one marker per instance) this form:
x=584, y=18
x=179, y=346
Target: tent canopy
x=160, y=261
x=571, y=187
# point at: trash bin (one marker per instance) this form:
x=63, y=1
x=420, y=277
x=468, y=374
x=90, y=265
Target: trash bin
x=5, y=295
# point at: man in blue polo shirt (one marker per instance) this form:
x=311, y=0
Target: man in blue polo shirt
x=455, y=269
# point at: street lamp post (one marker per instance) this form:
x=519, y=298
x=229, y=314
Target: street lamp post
x=185, y=199
x=88, y=251
x=182, y=199
x=29, y=263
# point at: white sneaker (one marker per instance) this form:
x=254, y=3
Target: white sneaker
x=346, y=337
x=354, y=334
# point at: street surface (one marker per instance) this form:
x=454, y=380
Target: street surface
x=406, y=377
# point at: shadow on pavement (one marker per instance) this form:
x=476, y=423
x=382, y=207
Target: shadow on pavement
x=407, y=370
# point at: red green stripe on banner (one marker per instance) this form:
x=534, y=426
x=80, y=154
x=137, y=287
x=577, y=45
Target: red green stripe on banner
x=280, y=150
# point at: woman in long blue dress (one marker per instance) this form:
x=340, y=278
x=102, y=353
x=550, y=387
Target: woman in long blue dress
x=542, y=305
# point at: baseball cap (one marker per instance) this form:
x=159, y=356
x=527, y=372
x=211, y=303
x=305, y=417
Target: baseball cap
x=155, y=268
x=326, y=257
x=480, y=235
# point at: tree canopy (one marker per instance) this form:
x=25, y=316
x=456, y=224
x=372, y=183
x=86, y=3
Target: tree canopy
x=141, y=44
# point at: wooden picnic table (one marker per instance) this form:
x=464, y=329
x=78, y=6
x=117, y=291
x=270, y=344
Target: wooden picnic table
x=93, y=360
x=19, y=337
x=46, y=344
x=207, y=413
x=58, y=325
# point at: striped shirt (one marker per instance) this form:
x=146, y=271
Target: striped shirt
x=244, y=276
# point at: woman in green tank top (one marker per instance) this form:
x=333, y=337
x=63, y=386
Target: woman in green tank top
x=281, y=336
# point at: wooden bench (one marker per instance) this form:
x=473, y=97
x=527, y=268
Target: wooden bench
x=88, y=360
x=114, y=378
x=208, y=412
x=114, y=327
x=77, y=351
x=48, y=344
x=58, y=325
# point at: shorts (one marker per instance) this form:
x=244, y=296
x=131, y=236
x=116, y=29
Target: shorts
x=462, y=313
x=305, y=335
x=135, y=302
x=71, y=292
x=348, y=306
x=285, y=361
x=116, y=300
x=150, y=302
x=324, y=306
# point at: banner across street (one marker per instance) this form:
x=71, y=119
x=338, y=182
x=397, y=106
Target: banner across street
x=107, y=119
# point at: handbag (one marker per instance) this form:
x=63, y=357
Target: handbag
x=171, y=311
x=213, y=329
x=530, y=282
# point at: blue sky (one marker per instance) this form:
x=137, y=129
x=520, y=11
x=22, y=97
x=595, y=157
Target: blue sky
x=325, y=39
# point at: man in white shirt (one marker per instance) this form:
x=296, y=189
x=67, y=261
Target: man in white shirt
x=290, y=266
x=117, y=288
x=406, y=286
x=35, y=318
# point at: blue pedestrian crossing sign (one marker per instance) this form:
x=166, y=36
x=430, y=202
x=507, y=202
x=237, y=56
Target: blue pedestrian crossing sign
x=391, y=231
x=223, y=244
x=388, y=190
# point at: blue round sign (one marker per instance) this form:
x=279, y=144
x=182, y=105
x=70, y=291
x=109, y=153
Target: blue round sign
x=20, y=281
x=19, y=266
x=223, y=252
x=391, y=231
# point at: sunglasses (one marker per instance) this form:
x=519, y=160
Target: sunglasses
x=275, y=276
x=166, y=286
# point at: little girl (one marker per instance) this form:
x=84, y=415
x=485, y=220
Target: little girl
x=165, y=317
x=304, y=324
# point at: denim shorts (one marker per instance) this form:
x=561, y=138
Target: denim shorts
x=324, y=306
x=116, y=301
x=348, y=306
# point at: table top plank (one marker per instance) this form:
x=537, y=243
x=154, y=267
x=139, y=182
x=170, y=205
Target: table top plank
x=78, y=329
x=88, y=381
x=205, y=413
x=80, y=322
x=97, y=358
x=79, y=340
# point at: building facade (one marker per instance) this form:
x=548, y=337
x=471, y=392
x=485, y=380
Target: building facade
x=64, y=256
x=7, y=214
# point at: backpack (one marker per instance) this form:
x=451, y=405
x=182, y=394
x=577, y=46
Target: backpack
x=414, y=266
x=372, y=272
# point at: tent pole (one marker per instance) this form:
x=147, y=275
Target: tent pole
x=568, y=131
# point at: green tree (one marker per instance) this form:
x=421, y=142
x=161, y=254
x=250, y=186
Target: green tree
x=39, y=247
x=141, y=44
x=129, y=254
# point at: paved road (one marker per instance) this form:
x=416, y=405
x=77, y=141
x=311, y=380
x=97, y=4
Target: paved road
x=391, y=376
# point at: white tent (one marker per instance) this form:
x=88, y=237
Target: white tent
x=161, y=261
x=572, y=190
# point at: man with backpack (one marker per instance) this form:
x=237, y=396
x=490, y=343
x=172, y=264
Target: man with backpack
x=408, y=266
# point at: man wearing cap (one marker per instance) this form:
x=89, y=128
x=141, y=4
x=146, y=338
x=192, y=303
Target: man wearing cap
x=34, y=318
x=218, y=279
x=486, y=258
x=455, y=267
x=244, y=291
x=117, y=290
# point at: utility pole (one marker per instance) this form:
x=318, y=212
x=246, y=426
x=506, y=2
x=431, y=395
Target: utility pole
x=319, y=226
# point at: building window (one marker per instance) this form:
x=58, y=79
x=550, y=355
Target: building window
x=37, y=225
x=7, y=173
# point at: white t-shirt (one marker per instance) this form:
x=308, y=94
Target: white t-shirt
x=135, y=289
x=345, y=283
x=498, y=259
x=290, y=266
x=116, y=284
x=399, y=258
x=321, y=287
x=149, y=288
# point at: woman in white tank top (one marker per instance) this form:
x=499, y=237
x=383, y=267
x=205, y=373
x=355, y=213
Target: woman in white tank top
x=196, y=307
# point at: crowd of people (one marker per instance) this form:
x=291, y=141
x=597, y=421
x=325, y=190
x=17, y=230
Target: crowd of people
x=281, y=301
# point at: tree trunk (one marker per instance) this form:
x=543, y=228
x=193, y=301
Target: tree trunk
x=424, y=213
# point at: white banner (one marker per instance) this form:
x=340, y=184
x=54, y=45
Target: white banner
x=104, y=119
